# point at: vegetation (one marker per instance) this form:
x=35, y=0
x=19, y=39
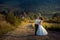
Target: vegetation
x=8, y=23
x=53, y=23
x=12, y=19
x=4, y=26
x=52, y=26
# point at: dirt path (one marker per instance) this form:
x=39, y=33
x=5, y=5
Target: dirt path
x=27, y=33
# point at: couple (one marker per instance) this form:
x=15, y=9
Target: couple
x=39, y=29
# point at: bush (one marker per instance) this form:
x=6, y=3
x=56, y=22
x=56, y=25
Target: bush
x=5, y=27
x=12, y=19
x=8, y=24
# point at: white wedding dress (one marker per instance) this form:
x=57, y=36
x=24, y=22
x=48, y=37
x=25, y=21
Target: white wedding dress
x=41, y=30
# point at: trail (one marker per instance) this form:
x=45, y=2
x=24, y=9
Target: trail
x=21, y=31
x=26, y=32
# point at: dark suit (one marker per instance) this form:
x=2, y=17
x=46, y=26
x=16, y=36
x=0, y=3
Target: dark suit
x=36, y=27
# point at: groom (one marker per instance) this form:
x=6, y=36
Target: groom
x=36, y=25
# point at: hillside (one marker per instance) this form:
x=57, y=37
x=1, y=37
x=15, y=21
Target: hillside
x=43, y=6
x=27, y=33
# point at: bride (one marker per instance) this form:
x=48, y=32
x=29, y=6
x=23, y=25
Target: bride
x=40, y=30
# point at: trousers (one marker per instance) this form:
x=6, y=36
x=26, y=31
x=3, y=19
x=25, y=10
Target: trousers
x=36, y=28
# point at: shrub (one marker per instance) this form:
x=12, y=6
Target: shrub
x=5, y=27
x=12, y=19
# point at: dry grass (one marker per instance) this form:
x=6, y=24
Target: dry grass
x=5, y=27
x=48, y=25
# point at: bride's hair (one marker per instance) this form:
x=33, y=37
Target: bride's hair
x=40, y=18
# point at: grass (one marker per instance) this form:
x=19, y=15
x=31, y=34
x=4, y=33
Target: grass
x=52, y=26
x=5, y=27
